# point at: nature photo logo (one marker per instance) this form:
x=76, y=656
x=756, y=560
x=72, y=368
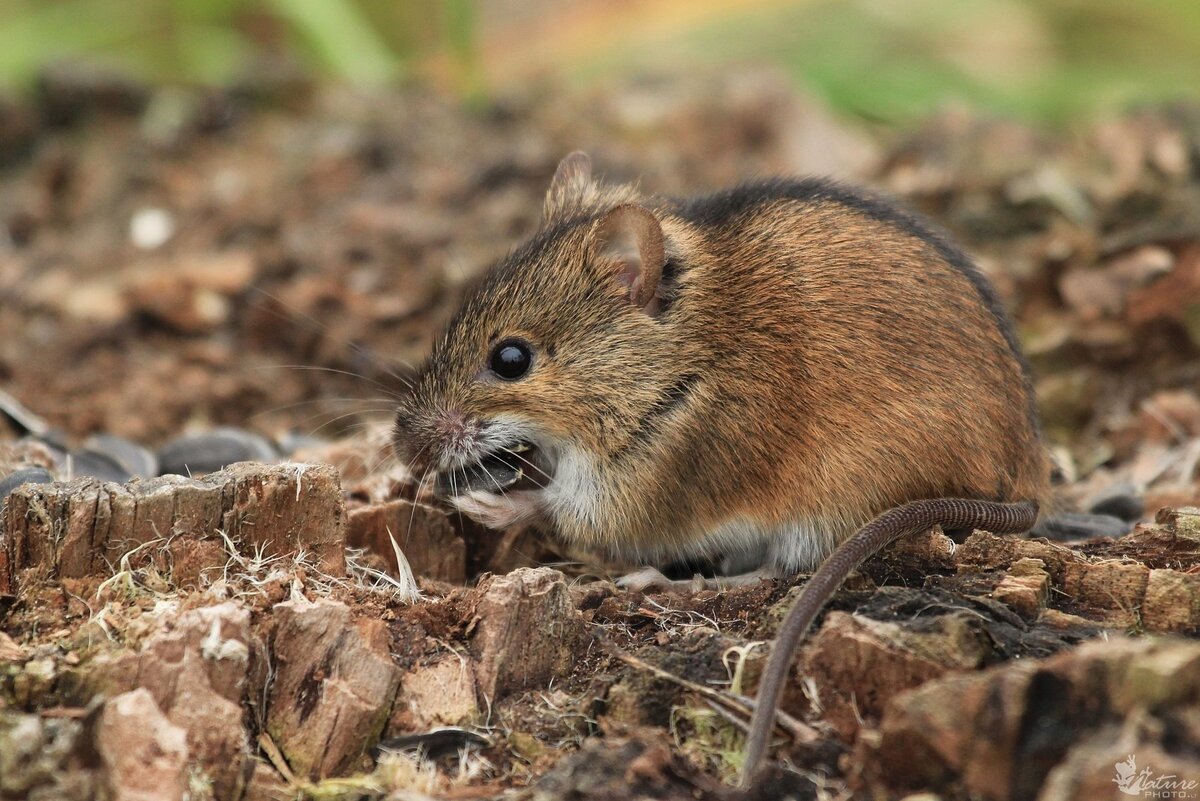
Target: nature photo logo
x=1147, y=784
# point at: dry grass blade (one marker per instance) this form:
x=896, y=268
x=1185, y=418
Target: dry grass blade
x=799, y=731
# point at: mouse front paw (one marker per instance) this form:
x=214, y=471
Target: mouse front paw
x=650, y=579
x=496, y=511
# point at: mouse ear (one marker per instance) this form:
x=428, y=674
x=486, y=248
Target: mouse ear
x=570, y=184
x=631, y=237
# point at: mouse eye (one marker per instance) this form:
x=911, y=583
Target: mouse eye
x=511, y=359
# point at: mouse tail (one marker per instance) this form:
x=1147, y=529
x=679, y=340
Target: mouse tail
x=911, y=518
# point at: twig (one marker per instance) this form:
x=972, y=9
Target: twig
x=799, y=731
x=276, y=759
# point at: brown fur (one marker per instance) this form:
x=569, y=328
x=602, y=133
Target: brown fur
x=831, y=364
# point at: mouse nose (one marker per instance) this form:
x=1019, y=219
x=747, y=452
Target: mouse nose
x=458, y=434
x=450, y=424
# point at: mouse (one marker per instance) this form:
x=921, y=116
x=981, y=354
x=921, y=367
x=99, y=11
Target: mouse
x=784, y=375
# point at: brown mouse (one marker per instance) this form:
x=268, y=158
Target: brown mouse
x=755, y=374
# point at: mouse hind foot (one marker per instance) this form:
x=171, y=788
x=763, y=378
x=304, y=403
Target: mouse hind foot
x=650, y=579
x=1080, y=526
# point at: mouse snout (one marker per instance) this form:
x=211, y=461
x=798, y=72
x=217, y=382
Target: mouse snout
x=437, y=439
x=453, y=426
x=455, y=437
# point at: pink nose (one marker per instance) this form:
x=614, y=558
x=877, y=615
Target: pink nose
x=456, y=430
x=450, y=424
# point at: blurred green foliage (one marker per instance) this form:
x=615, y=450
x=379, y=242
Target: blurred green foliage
x=889, y=60
x=1047, y=59
x=213, y=41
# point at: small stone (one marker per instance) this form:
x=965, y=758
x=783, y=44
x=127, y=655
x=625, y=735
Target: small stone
x=1119, y=502
x=151, y=228
x=97, y=465
x=207, y=452
x=132, y=457
x=1077, y=526
x=24, y=475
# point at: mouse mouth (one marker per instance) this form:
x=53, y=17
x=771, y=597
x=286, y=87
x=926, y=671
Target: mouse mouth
x=516, y=467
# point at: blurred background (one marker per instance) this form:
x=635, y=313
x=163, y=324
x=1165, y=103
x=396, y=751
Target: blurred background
x=883, y=60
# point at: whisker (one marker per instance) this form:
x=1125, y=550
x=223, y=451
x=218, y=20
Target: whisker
x=412, y=515
x=499, y=489
x=454, y=494
x=526, y=461
x=328, y=423
x=368, y=418
x=361, y=351
x=388, y=453
x=382, y=387
x=378, y=413
x=296, y=405
x=416, y=456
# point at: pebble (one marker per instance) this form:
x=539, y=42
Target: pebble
x=132, y=457
x=1122, y=503
x=1079, y=526
x=292, y=441
x=23, y=475
x=206, y=452
x=98, y=465
x=435, y=742
x=150, y=228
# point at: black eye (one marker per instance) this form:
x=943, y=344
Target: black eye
x=511, y=359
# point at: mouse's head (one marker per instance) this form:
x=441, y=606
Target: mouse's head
x=555, y=358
